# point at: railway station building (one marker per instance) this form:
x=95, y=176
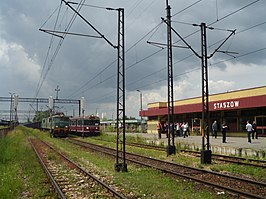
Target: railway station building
x=234, y=108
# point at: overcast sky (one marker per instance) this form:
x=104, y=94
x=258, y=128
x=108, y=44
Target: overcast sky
x=33, y=63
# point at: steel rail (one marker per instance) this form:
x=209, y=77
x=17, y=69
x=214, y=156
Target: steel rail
x=147, y=146
x=114, y=192
x=227, y=188
x=172, y=164
x=219, y=157
x=4, y=131
x=49, y=175
x=231, y=159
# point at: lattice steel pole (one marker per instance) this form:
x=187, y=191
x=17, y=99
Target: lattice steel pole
x=205, y=154
x=171, y=136
x=120, y=123
x=120, y=164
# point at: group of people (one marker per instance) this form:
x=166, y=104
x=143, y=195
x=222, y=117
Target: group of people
x=251, y=130
x=177, y=129
x=182, y=130
x=215, y=130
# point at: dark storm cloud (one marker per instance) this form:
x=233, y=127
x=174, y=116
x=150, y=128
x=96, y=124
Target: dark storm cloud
x=91, y=63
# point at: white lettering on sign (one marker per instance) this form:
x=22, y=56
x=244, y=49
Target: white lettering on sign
x=229, y=104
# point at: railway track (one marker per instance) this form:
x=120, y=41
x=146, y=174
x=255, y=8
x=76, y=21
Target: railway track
x=231, y=184
x=231, y=159
x=4, y=131
x=68, y=178
x=218, y=157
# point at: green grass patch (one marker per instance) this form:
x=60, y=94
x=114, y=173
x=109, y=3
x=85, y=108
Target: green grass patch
x=144, y=182
x=180, y=158
x=112, y=138
x=20, y=172
x=150, y=183
x=250, y=171
x=140, y=182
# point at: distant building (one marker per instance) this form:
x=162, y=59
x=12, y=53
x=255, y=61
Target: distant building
x=133, y=125
x=234, y=107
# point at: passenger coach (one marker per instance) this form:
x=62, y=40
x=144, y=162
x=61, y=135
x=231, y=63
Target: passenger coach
x=85, y=126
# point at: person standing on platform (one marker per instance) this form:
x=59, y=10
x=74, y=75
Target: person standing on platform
x=214, y=129
x=249, y=130
x=224, y=129
x=254, y=130
x=166, y=129
x=177, y=129
x=185, y=128
x=188, y=130
x=172, y=129
x=181, y=129
x=159, y=129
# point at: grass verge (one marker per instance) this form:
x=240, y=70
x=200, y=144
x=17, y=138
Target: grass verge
x=20, y=173
x=138, y=182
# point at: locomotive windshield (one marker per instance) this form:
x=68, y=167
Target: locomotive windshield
x=61, y=121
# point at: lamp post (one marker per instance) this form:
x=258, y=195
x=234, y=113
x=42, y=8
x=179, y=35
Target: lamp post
x=82, y=105
x=11, y=108
x=140, y=97
x=57, y=90
x=51, y=106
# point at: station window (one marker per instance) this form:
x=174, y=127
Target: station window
x=261, y=124
x=249, y=112
x=230, y=114
x=261, y=111
x=215, y=114
x=153, y=117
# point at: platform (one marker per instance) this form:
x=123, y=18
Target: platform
x=238, y=146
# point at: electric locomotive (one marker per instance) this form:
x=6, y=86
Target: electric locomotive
x=58, y=124
x=85, y=126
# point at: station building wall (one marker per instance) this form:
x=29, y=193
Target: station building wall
x=235, y=108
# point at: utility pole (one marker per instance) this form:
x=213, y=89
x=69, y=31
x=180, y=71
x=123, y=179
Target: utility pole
x=170, y=92
x=120, y=164
x=16, y=108
x=171, y=136
x=205, y=130
x=140, y=99
x=51, y=106
x=57, y=90
x=205, y=154
x=82, y=105
x=11, y=109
